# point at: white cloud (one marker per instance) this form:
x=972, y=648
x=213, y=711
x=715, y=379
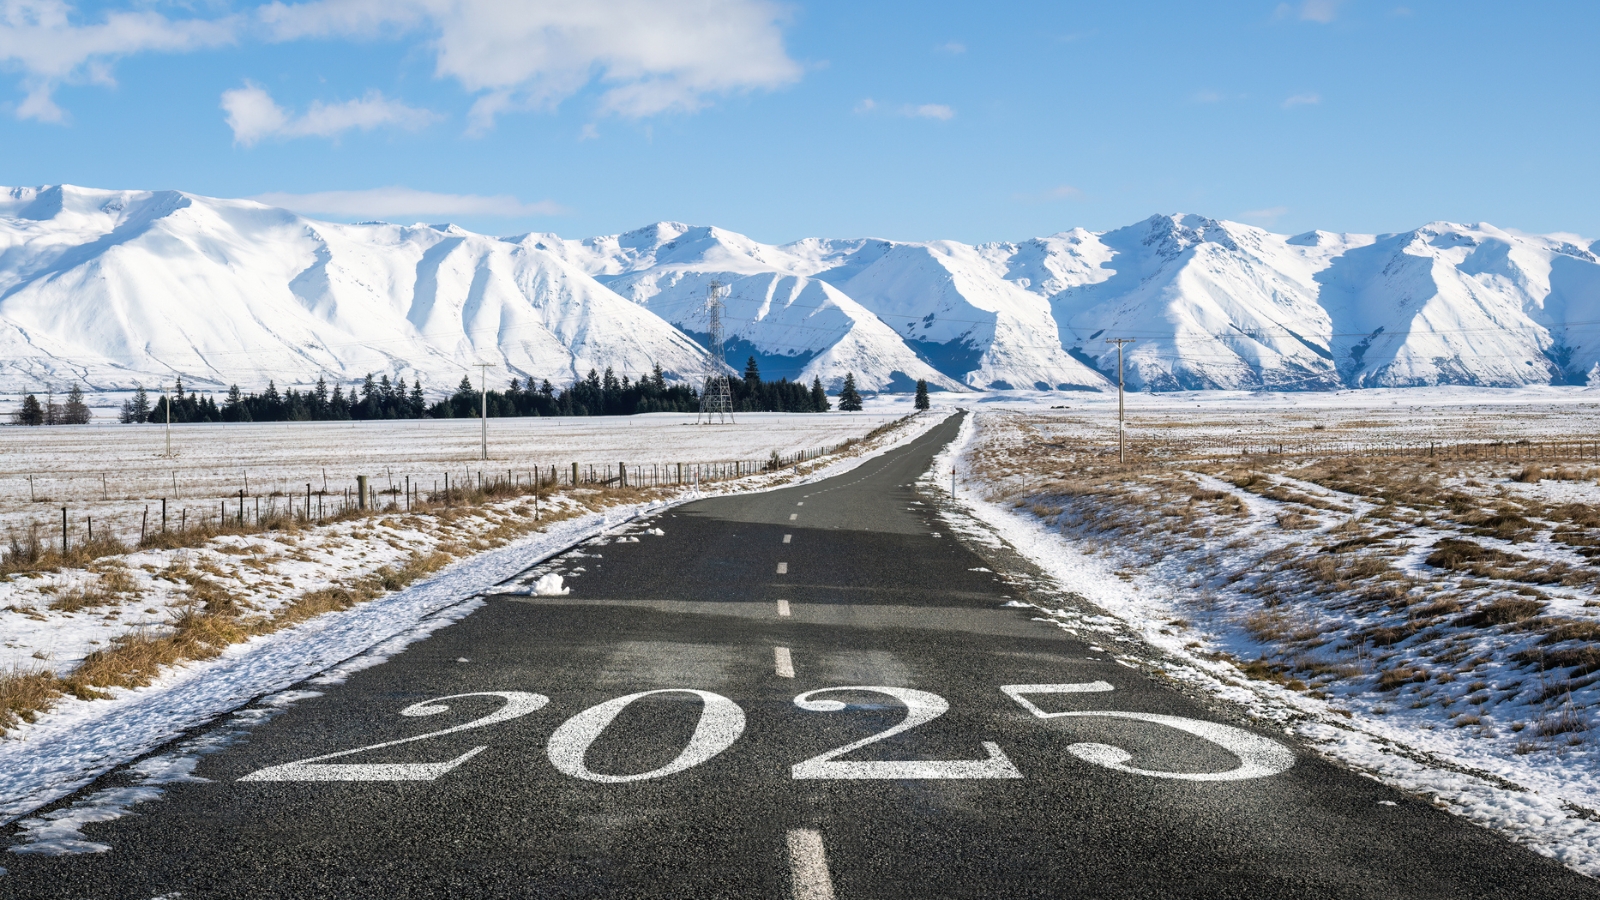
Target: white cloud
x=954, y=48
x=253, y=115
x=1059, y=192
x=1267, y=216
x=1319, y=11
x=1323, y=11
x=1207, y=97
x=909, y=110
x=651, y=57
x=928, y=111
x=390, y=202
x=589, y=132
x=51, y=45
x=1302, y=100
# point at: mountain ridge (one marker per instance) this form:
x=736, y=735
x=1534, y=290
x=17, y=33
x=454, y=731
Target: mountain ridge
x=111, y=288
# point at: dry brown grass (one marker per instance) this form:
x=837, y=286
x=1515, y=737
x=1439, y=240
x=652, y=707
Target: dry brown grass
x=1397, y=628
x=1502, y=611
x=1533, y=474
x=32, y=551
x=1399, y=676
x=1459, y=555
x=24, y=694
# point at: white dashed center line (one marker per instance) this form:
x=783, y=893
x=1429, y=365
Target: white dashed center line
x=801, y=503
x=793, y=516
x=783, y=607
x=808, y=866
x=783, y=662
x=787, y=537
x=783, y=568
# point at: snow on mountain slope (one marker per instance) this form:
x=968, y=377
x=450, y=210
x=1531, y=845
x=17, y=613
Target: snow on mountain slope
x=794, y=325
x=948, y=301
x=113, y=288
x=1221, y=305
x=1460, y=304
x=109, y=288
x=1210, y=304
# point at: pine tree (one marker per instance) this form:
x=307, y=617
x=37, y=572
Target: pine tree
x=319, y=400
x=75, y=412
x=141, y=404
x=922, y=394
x=233, y=408
x=338, y=406
x=819, y=397
x=419, y=403
x=752, y=373
x=465, y=399
x=849, y=400
x=31, y=412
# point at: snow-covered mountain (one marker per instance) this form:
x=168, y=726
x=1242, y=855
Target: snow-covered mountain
x=1222, y=305
x=110, y=288
x=115, y=287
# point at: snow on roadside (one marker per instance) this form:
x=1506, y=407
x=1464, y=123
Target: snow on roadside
x=1509, y=795
x=78, y=741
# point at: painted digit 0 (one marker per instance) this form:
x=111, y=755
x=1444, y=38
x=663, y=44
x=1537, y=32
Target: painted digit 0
x=517, y=704
x=721, y=723
x=1258, y=756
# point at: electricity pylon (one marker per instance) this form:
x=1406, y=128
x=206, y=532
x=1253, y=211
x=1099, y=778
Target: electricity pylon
x=716, y=400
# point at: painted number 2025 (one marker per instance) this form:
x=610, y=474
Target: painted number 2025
x=722, y=722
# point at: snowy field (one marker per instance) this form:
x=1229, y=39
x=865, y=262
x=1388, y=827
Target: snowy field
x=269, y=587
x=111, y=472
x=1428, y=615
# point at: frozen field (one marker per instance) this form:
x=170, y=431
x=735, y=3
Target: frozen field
x=1220, y=420
x=1408, y=579
x=110, y=471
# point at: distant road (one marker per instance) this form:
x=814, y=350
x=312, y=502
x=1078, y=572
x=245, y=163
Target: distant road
x=814, y=692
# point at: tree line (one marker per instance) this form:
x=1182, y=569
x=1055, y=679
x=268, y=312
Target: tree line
x=71, y=412
x=598, y=394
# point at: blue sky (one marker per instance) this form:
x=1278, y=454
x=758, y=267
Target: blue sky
x=975, y=122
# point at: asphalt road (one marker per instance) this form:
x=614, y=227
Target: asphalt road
x=672, y=727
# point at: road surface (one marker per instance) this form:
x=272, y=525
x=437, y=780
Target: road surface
x=813, y=692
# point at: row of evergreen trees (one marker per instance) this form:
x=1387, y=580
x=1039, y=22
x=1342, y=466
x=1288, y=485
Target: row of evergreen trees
x=379, y=398
x=71, y=412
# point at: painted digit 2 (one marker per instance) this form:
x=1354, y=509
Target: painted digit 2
x=921, y=708
x=517, y=704
x=721, y=723
x=1258, y=757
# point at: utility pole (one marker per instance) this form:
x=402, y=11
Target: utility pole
x=1122, y=448
x=483, y=388
x=167, y=402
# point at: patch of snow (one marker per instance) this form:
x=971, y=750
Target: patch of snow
x=549, y=585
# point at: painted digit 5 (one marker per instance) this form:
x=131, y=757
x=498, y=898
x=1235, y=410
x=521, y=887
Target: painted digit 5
x=1258, y=756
